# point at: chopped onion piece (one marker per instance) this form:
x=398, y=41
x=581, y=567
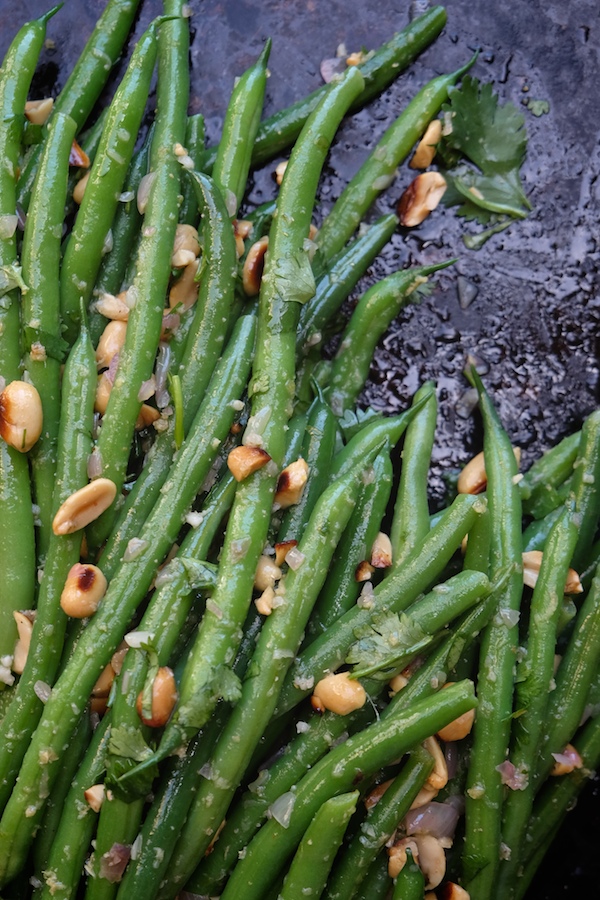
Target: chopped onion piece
x=135, y=548
x=8, y=225
x=136, y=639
x=144, y=191
x=42, y=691
x=282, y=808
x=147, y=389
x=294, y=558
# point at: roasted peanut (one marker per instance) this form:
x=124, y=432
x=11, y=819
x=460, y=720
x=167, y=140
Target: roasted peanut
x=25, y=629
x=84, y=589
x=164, y=698
x=267, y=573
x=111, y=342
x=438, y=778
x=253, y=267
x=420, y=198
x=184, y=292
x=290, y=483
x=186, y=246
x=84, y=506
x=243, y=461
x=427, y=146
x=381, y=551
x=94, y=796
x=38, y=111
x=532, y=563
x=473, y=478
x=282, y=549
x=21, y=415
x=338, y=693
x=459, y=728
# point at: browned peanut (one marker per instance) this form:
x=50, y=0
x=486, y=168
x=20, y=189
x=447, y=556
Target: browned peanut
x=94, y=796
x=104, y=683
x=397, y=855
x=459, y=728
x=253, y=267
x=453, y=891
x=184, y=292
x=78, y=157
x=267, y=573
x=21, y=415
x=24, y=628
x=420, y=198
x=84, y=589
x=113, y=307
x=84, y=506
x=79, y=189
x=103, y=389
x=568, y=760
x=432, y=859
x=339, y=693
x=264, y=603
x=164, y=698
x=381, y=551
x=374, y=796
x=363, y=571
x=147, y=416
x=280, y=171
x=282, y=549
x=186, y=246
x=290, y=483
x=425, y=796
x=438, y=778
x=243, y=461
x=427, y=146
x=473, y=478
x=37, y=111
x=532, y=563
x=111, y=342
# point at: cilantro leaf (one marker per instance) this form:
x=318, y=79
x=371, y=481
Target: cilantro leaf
x=129, y=743
x=293, y=278
x=354, y=421
x=493, y=137
x=11, y=277
x=221, y=683
x=386, y=645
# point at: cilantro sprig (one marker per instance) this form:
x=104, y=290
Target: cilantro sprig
x=386, y=645
x=483, y=149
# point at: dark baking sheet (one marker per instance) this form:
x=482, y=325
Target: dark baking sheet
x=533, y=320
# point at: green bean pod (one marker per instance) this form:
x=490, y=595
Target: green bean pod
x=380, y=166
x=152, y=264
x=533, y=689
x=378, y=826
x=42, y=337
x=88, y=77
x=358, y=757
x=410, y=883
x=491, y=731
x=310, y=867
x=550, y=470
x=242, y=119
x=203, y=344
x=341, y=590
x=126, y=590
x=17, y=537
x=376, y=309
x=86, y=243
x=194, y=144
x=377, y=883
x=397, y=592
x=410, y=520
x=62, y=872
x=279, y=131
x=586, y=487
x=43, y=658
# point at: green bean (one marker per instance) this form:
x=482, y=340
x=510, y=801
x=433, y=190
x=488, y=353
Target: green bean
x=308, y=870
x=40, y=258
x=376, y=309
x=194, y=144
x=380, y=166
x=573, y=678
x=85, y=245
x=536, y=533
x=43, y=658
x=497, y=659
x=272, y=377
x=244, y=111
x=410, y=883
x=149, y=286
x=340, y=278
x=246, y=816
x=279, y=131
x=204, y=342
x=317, y=451
x=125, y=231
x=556, y=800
x=275, y=649
x=397, y=592
x=360, y=756
x=378, y=826
x=56, y=801
x=586, y=487
x=76, y=827
x=88, y=77
x=533, y=686
x=377, y=883
x=550, y=470
x=410, y=521
x=341, y=590
x=126, y=590
x=17, y=537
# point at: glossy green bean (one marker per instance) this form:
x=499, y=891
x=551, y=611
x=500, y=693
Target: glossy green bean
x=410, y=883
x=310, y=867
x=92, y=227
x=410, y=520
x=42, y=332
x=586, y=487
x=361, y=755
x=88, y=77
x=380, y=167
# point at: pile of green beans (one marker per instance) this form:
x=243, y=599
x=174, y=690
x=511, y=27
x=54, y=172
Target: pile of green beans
x=252, y=706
